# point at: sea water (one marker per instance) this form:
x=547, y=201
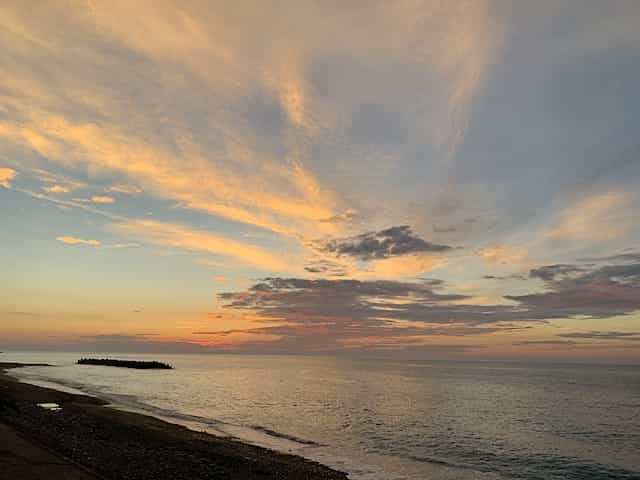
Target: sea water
x=380, y=419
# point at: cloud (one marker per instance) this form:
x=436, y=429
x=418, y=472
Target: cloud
x=333, y=313
x=404, y=266
x=123, y=188
x=180, y=236
x=78, y=241
x=57, y=183
x=347, y=217
x=619, y=257
x=504, y=254
x=437, y=229
x=595, y=290
x=6, y=175
x=553, y=272
x=349, y=311
x=368, y=301
x=118, y=246
x=118, y=337
x=391, y=242
x=58, y=189
x=514, y=276
x=283, y=198
x=102, y=199
x=597, y=335
x=232, y=125
x=544, y=342
x=326, y=267
x=67, y=204
x=96, y=199
x=599, y=217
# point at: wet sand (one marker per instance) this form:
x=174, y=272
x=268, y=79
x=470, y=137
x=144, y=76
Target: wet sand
x=86, y=440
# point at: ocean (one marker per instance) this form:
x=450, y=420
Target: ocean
x=381, y=419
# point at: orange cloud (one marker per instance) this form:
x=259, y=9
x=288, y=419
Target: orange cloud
x=78, y=241
x=603, y=216
x=123, y=188
x=504, y=254
x=281, y=198
x=180, y=236
x=6, y=175
x=58, y=189
x=403, y=266
x=453, y=44
x=102, y=199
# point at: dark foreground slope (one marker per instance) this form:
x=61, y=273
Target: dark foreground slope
x=112, y=444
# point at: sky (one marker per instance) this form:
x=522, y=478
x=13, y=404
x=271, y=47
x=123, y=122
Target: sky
x=412, y=179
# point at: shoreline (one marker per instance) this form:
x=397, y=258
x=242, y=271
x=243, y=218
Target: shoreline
x=97, y=442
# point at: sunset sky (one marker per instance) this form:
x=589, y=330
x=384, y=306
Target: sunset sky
x=417, y=179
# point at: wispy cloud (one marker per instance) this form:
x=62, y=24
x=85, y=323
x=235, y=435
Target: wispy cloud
x=287, y=203
x=505, y=254
x=560, y=343
x=57, y=189
x=183, y=237
x=290, y=156
x=597, y=335
x=123, y=188
x=78, y=241
x=102, y=199
x=222, y=164
x=56, y=183
x=599, y=217
x=118, y=246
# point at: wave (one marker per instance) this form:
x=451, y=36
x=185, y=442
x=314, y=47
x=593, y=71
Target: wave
x=285, y=436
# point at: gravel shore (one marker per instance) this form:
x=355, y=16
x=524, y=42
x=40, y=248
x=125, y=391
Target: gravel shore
x=94, y=441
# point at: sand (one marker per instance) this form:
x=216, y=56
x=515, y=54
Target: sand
x=87, y=440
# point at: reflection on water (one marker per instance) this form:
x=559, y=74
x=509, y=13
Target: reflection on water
x=381, y=419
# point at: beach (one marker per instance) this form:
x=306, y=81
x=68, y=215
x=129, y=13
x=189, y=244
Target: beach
x=86, y=439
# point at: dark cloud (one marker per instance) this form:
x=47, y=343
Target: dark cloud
x=553, y=272
x=514, y=276
x=337, y=313
x=619, y=257
x=595, y=300
x=333, y=314
x=593, y=290
x=437, y=229
x=544, y=342
x=434, y=283
x=347, y=217
x=387, y=243
x=116, y=337
x=336, y=298
x=326, y=267
x=603, y=335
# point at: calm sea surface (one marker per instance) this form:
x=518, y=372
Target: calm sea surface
x=389, y=420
